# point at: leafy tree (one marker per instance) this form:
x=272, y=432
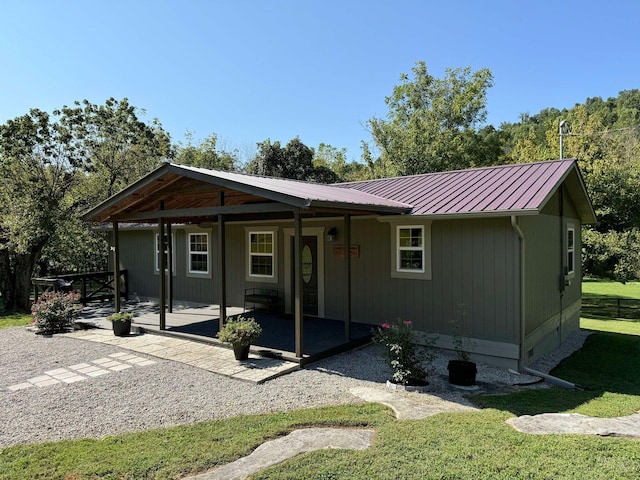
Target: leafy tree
x=120, y=147
x=206, y=154
x=432, y=123
x=295, y=161
x=39, y=161
x=335, y=160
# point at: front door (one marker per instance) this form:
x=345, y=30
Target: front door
x=309, y=274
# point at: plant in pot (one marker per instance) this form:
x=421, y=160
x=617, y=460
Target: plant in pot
x=462, y=371
x=121, y=323
x=240, y=332
x=410, y=364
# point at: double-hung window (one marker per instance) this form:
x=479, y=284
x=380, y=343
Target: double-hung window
x=198, y=259
x=261, y=254
x=410, y=252
x=571, y=249
x=166, y=253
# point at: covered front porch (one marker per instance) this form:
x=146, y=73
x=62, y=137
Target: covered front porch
x=199, y=322
x=211, y=201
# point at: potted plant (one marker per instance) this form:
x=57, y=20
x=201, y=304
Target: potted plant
x=240, y=332
x=409, y=364
x=462, y=371
x=121, y=323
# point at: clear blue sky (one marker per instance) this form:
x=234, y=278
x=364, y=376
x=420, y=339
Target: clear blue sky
x=251, y=70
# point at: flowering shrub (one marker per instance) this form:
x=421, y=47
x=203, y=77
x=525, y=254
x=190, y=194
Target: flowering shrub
x=403, y=356
x=55, y=312
x=240, y=331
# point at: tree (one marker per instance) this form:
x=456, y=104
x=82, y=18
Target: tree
x=432, y=123
x=335, y=160
x=120, y=147
x=295, y=162
x=52, y=168
x=206, y=154
x=39, y=162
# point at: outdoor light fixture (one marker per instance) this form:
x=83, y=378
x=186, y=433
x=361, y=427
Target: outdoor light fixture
x=331, y=234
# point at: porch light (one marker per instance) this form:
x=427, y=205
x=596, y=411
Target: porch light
x=331, y=234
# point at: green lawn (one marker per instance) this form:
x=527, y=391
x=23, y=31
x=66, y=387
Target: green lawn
x=477, y=445
x=603, y=299
x=14, y=320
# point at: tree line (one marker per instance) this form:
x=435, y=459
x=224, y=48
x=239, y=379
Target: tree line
x=54, y=166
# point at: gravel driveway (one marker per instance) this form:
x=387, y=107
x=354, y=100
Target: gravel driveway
x=167, y=393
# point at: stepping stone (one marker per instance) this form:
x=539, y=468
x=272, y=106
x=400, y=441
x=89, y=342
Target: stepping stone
x=575, y=423
x=405, y=408
x=282, y=449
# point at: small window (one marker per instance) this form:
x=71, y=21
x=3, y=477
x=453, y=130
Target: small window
x=410, y=248
x=166, y=253
x=199, y=253
x=571, y=239
x=261, y=254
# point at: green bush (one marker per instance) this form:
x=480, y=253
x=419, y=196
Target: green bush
x=240, y=331
x=55, y=312
x=120, y=317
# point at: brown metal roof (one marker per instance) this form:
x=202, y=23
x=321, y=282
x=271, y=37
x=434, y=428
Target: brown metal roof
x=508, y=189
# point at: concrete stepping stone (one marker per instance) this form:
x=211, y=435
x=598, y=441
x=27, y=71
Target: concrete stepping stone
x=575, y=423
x=282, y=449
x=406, y=408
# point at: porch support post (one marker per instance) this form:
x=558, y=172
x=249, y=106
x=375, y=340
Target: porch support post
x=116, y=268
x=222, y=262
x=347, y=263
x=297, y=269
x=162, y=272
x=170, y=266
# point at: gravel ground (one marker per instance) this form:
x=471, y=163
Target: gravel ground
x=169, y=393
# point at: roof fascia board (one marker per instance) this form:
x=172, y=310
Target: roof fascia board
x=585, y=200
x=459, y=216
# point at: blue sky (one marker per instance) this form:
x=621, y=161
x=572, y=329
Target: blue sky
x=252, y=70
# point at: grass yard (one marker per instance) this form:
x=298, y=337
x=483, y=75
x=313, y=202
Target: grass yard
x=478, y=445
x=605, y=299
x=14, y=319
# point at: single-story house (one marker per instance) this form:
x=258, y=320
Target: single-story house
x=494, y=252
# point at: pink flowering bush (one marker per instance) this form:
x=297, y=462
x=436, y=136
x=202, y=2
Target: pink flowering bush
x=404, y=357
x=55, y=312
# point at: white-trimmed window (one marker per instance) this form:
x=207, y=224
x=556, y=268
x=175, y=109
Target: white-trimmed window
x=571, y=249
x=166, y=253
x=410, y=250
x=198, y=253
x=261, y=254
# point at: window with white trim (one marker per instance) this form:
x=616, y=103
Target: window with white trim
x=166, y=253
x=410, y=248
x=198, y=256
x=571, y=249
x=261, y=254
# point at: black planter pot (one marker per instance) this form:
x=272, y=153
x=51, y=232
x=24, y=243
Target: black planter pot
x=241, y=352
x=462, y=372
x=121, y=328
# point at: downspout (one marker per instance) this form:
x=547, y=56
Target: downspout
x=516, y=227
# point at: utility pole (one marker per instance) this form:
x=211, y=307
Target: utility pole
x=563, y=130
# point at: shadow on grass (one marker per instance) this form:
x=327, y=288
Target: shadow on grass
x=608, y=363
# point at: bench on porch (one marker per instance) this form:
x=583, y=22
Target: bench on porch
x=261, y=296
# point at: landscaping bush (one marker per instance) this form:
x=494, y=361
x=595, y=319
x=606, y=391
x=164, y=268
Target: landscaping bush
x=55, y=312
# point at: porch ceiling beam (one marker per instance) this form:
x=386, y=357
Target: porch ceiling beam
x=205, y=211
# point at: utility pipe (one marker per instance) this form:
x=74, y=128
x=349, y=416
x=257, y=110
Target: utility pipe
x=553, y=380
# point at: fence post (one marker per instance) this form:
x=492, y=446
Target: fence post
x=618, y=308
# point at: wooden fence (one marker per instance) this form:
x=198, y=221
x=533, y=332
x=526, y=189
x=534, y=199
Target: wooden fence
x=93, y=287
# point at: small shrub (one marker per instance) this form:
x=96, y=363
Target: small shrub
x=408, y=363
x=240, y=331
x=120, y=317
x=55, y=312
